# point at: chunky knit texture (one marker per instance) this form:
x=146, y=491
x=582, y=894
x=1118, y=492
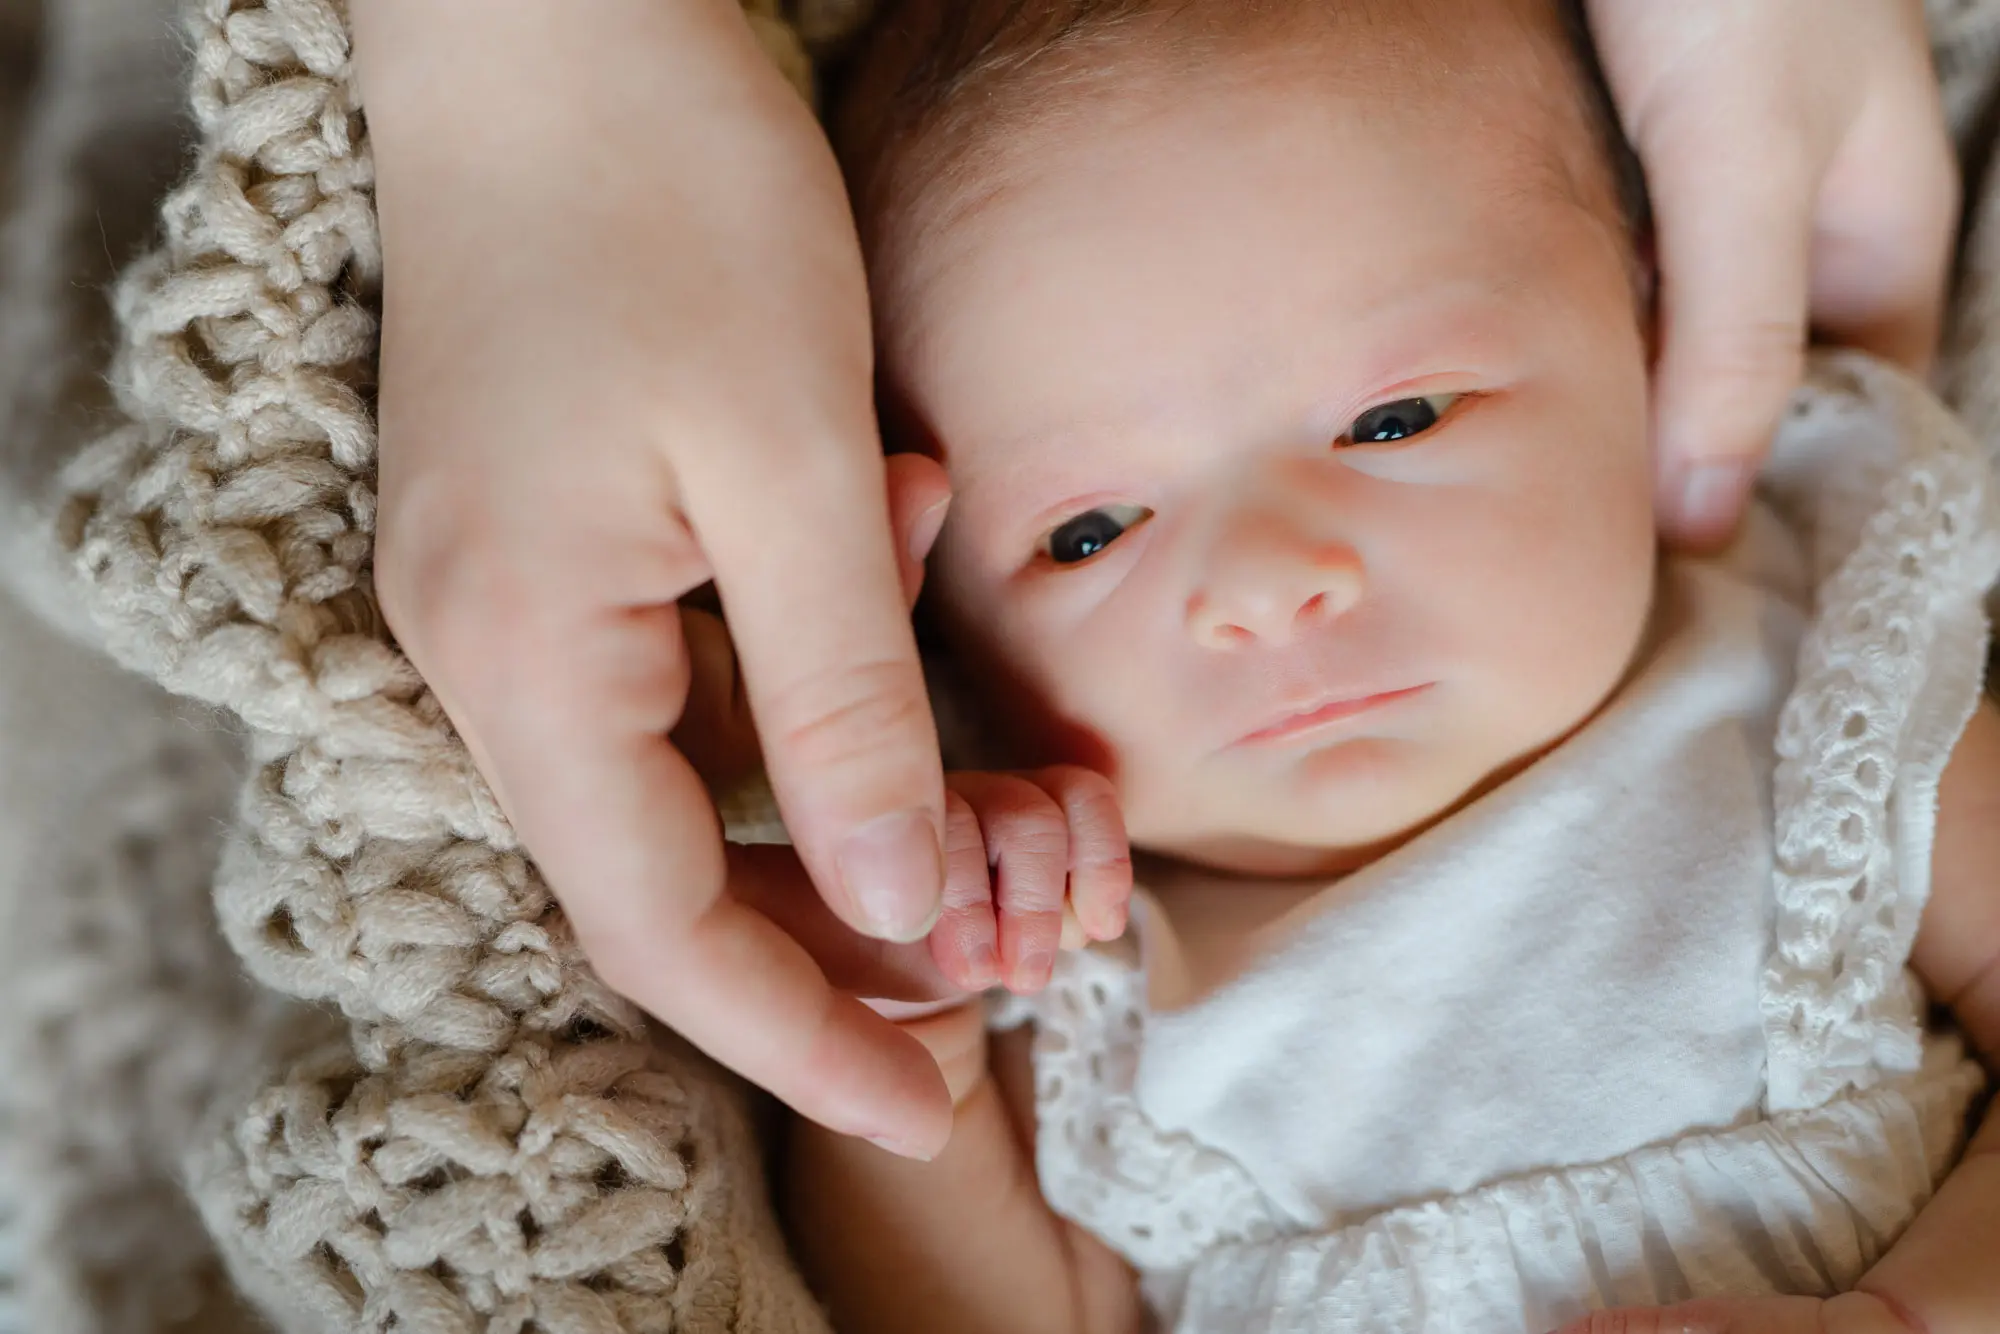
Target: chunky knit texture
x=452, y=1126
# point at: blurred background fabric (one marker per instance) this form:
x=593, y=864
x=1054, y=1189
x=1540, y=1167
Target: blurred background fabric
x=119, y=1004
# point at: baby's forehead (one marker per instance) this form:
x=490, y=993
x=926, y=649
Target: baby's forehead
x=939, y=133
x=1356, y=156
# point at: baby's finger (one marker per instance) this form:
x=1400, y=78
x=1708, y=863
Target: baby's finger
x=965, y=944
x=1100, y=856
x=1027, y=843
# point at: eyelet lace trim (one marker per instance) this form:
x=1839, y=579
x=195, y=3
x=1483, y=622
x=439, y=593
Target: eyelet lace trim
x=1904, y=538
x=1160, y=1199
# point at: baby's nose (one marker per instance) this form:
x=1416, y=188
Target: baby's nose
x=1271, y=587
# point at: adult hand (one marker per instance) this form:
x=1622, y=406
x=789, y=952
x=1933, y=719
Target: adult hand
x=1800, y=172
x=1849, y=1313
x=625, y=350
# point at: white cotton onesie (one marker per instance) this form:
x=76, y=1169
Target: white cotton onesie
x=1631, y=1029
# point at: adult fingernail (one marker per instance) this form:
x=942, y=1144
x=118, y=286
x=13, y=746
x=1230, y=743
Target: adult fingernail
x=1710, y=495
x=893, y=871
x=901, y=1148
x=924, y=532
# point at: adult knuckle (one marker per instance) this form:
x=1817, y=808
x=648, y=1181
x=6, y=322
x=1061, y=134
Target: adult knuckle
x=1747, y=364
x=1757, y=344
x=851, y=717
x=447, y=606
x=623, y=966
x=428, y=543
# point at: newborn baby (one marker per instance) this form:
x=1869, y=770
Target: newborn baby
x=1521, y=919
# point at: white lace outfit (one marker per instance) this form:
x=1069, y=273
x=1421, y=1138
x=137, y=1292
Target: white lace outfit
x=1634, y=1028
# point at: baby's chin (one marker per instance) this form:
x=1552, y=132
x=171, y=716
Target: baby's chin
x=1324, y=811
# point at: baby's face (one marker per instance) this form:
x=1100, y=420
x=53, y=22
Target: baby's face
x=1298, y=436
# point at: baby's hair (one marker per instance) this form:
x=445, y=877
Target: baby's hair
x=929, y=71
x=1628, y=176
x=944, y=77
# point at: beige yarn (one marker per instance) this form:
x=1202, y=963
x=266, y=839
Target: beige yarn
x=497, y=1143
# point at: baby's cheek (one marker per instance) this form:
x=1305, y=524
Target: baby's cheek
x=1029, y=705
x=1573, y=638
x=1051, y=731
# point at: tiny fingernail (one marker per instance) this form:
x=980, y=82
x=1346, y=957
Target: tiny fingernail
x=985, y=965
x=893, y=870
x=1033, y=972
x=924, y=532
x=1710, y=494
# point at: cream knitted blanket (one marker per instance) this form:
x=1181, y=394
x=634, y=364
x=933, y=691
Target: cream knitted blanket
x=426, y=1115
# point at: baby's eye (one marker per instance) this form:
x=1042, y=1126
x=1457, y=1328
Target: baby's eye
x=1398, y=420
x=1087, y=534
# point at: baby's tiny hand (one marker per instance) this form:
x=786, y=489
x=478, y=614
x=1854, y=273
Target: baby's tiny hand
x=1034, y=862
x=1849, y=1313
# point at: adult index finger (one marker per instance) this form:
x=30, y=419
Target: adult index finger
x=811, y=583
x=1733, y=233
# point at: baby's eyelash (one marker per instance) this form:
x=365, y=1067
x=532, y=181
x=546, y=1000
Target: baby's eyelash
x=1083, y=537
x=1398, y=419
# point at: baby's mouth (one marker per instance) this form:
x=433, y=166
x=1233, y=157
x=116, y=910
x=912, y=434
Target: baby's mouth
x=1296, y=725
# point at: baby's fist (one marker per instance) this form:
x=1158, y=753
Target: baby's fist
x=1027, y=856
